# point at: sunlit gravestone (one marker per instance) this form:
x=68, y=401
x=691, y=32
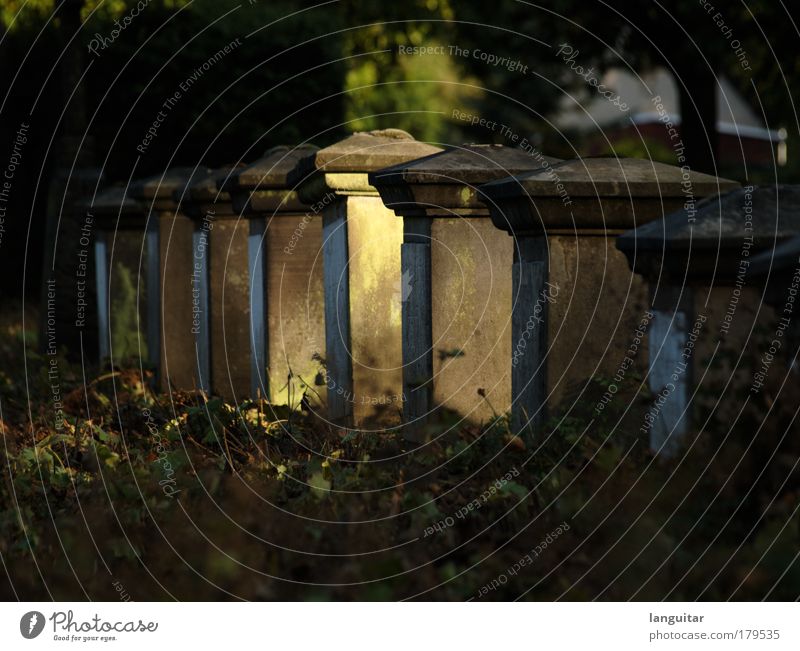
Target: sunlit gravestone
x=363, y=287
x=578, y=311
x=172, y=271
x=221, y=287
x=286, y=289
x=705, y=297
x=456, y=271
x=126, y=288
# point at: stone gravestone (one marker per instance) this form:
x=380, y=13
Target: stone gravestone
x=221, y=241
x=362, y=276
x=698, y=266
x=779, y=270
x=285, y=263
x=456, y=267
x=126, y=290
x=68, y=299
x=577, y=308
x=169, y=244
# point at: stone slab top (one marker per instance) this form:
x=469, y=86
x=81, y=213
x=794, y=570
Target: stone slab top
x=766, y=214
x=784, y=258
x=113, y=208
x=473, y=164
x=201, y=196
x=207, y=187
x=714, y=239
x=113, y=201
x=445, y=184
x=271, y=171
x=608, y=177
x=601, y=196
x=163, y=186
x=362, y=152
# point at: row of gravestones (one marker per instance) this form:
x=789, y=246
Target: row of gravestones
x=375, y=282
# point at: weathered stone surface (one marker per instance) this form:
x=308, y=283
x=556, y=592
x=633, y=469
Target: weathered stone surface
x=362, y=272
x=710, y=255
x=120, y=239
x=784, y=257
x=295, y=308
x=445, y=183
x=291, y=252
x=374, y=237
x=594, y=313
x=470, y=282
x=178, y=357
x=166, y=196
x=262, y=186
x=118, y=222
x=227, y=283
x=363, y=152
x=158, y=191
x=343, y=168
x=613, y=177
x=471, y=288
x=204, y=196
x=112, y=208
x=579, y=206
x=596, y=194
x=270, y=171
x=706, y=245
x=230, y=309
x=779, y=270
x=467, y=164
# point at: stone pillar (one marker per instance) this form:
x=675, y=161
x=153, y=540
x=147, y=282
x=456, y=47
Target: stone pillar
x=456, y=269
x=362, y=273
x=697, y=261
x=577, y=307
x=123, y=286
x=285, y=266
x=179, y=320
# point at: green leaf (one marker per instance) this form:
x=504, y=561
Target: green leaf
x=320, y=487
x=513, y=488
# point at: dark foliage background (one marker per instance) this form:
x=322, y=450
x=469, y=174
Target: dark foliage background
x=310, y=70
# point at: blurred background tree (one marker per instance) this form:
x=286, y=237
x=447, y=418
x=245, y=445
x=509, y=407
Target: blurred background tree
x=303, y=70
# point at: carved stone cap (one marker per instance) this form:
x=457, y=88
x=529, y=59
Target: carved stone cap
x=603, y=195
x=268, y=172
x=445, y=184
x=778, y=268
x=113, y=203
x=716, y=239
x=785, y=258
x=472, y=163
x=159, y=190
x=611, y=177
x=207, y=188
x=201, y=196
x=343, y=166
